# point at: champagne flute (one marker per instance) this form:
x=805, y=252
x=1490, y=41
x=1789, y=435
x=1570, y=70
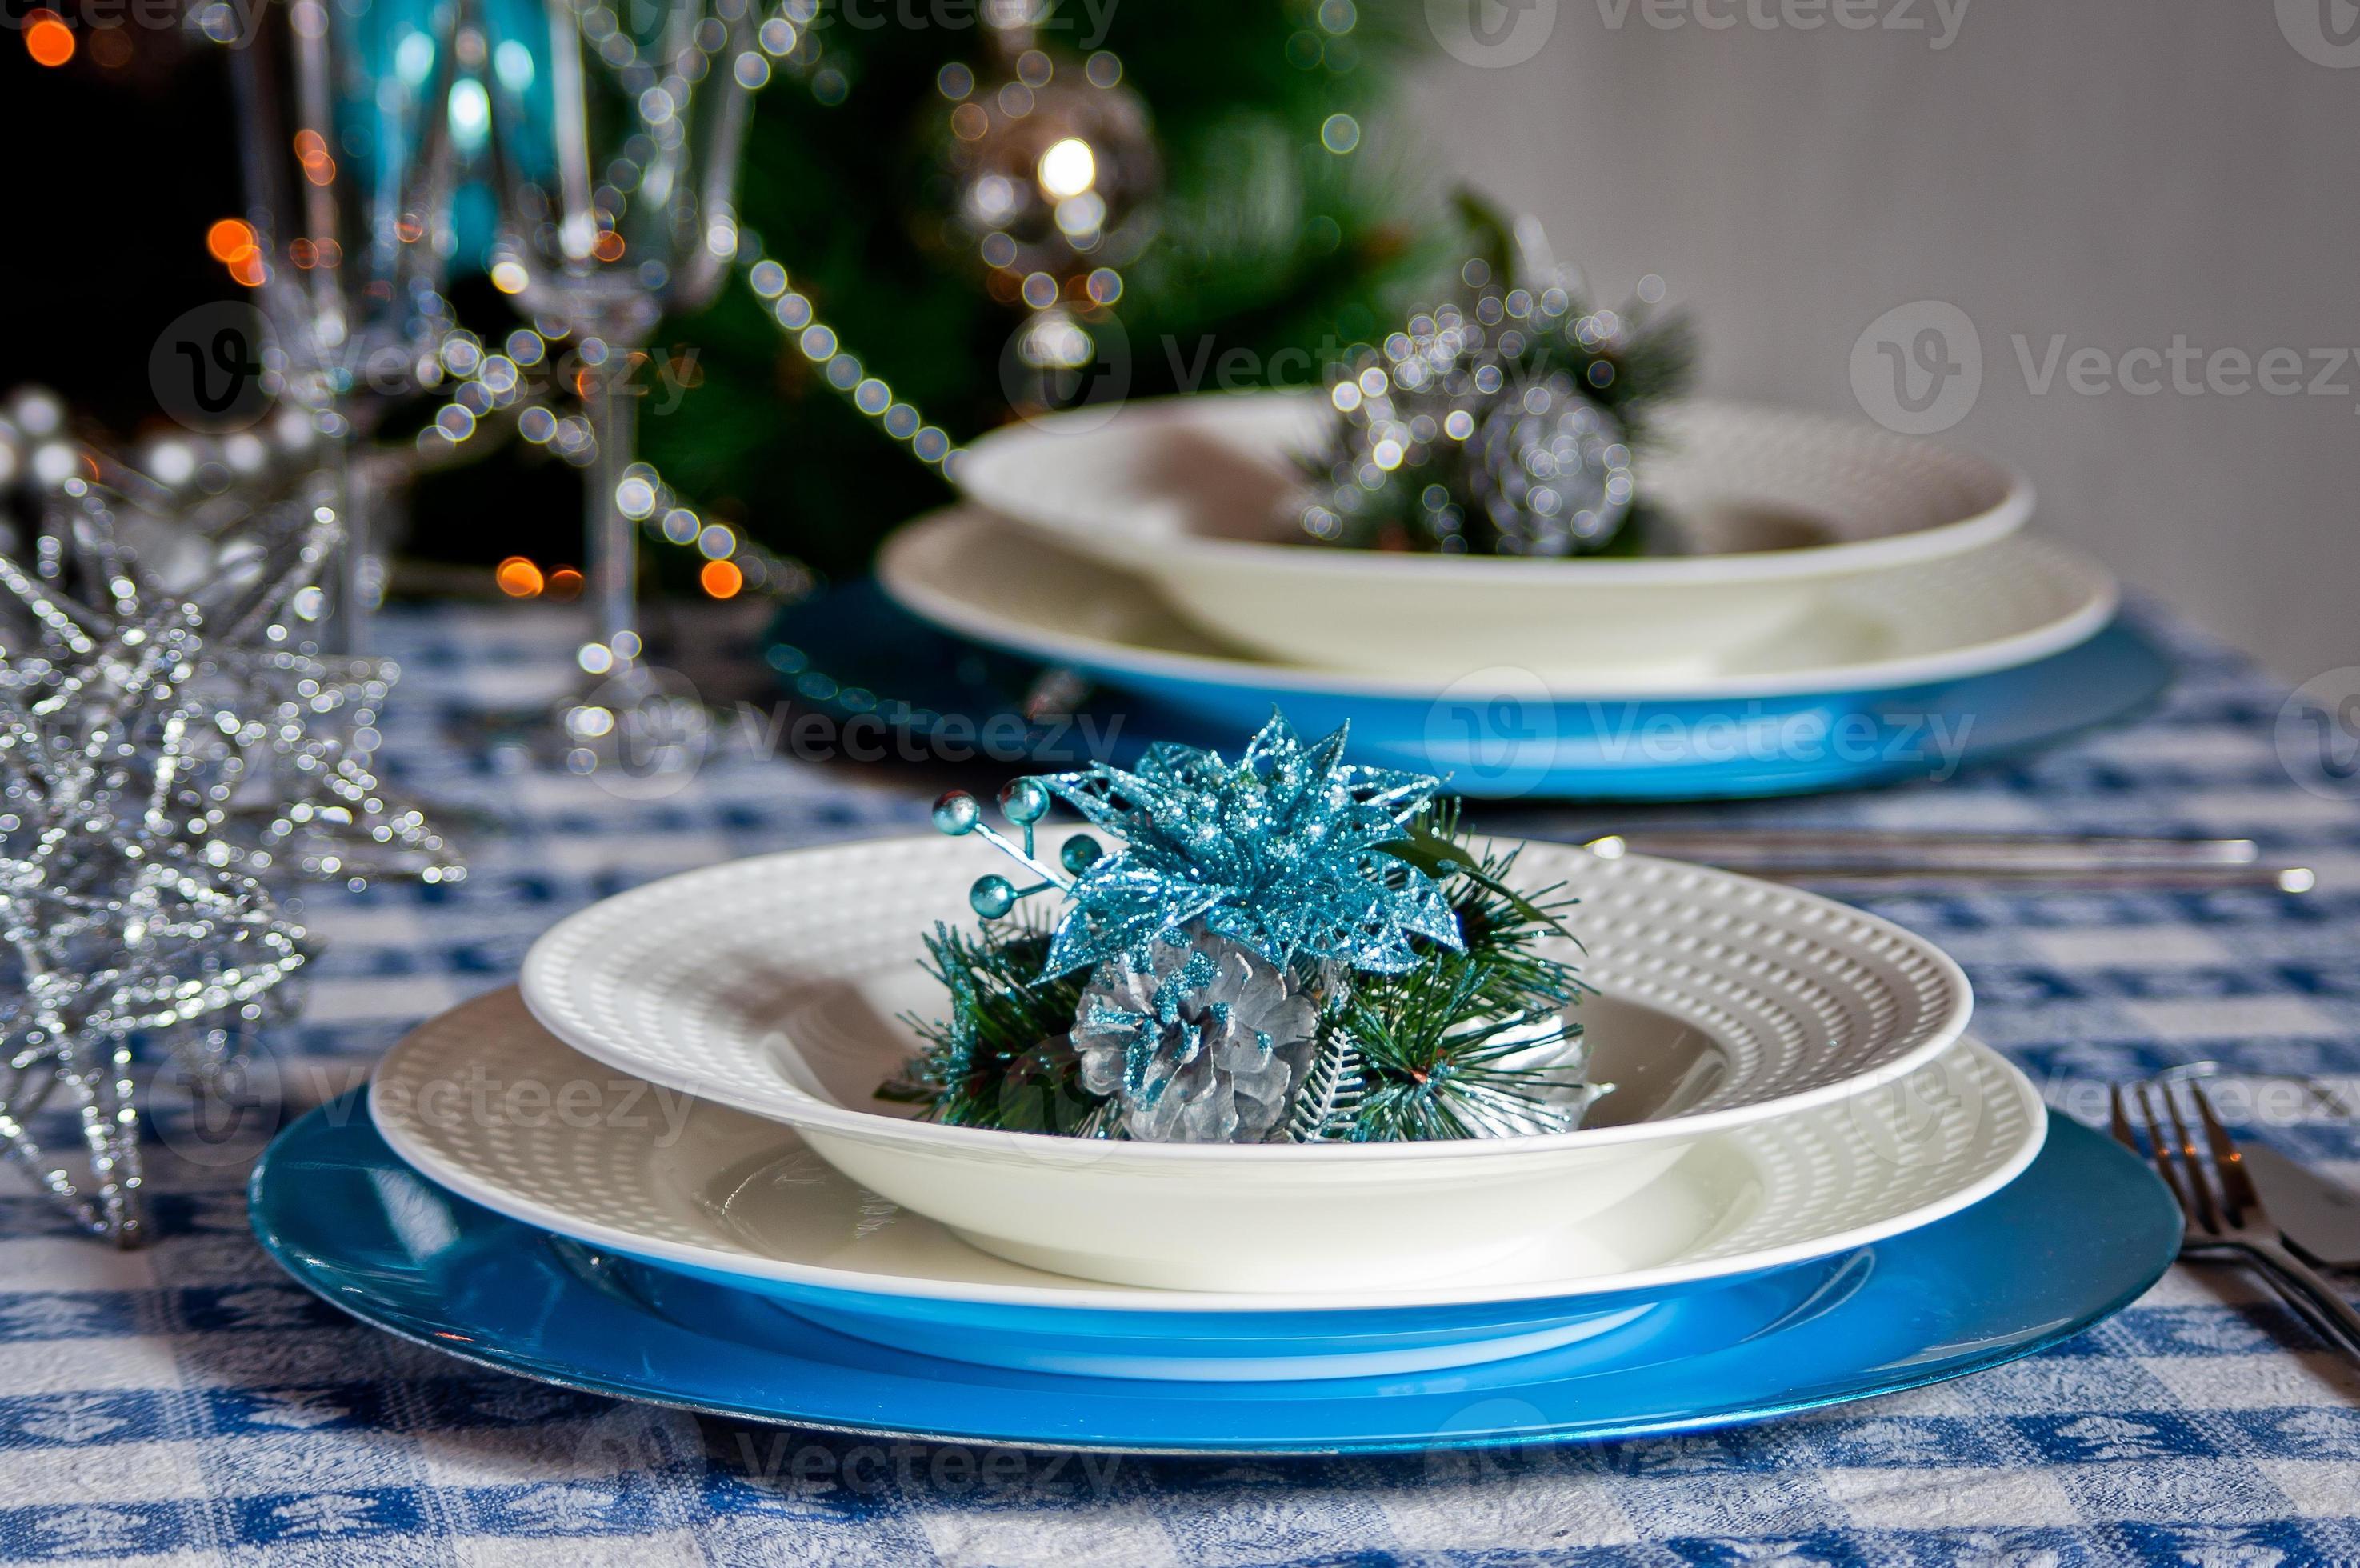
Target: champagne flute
x=628, y=217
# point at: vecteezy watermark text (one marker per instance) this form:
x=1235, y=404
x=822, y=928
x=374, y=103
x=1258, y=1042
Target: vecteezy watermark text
x=1939, y=19
x=478, y=1099
x=1919, y=367
x=219, y=369
x=1497, y=33
x=1059, y=738
x=1502, y=728
x=906, y=1469
x=1083, y=23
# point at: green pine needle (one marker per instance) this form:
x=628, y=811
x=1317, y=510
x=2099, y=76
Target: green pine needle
x=1420, y=1055
x=1002, y=1060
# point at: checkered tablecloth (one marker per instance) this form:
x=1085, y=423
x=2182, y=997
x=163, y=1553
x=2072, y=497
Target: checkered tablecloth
x=188, y=1403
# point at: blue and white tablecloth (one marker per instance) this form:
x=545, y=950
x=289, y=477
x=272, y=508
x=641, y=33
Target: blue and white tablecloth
x=188, y=1403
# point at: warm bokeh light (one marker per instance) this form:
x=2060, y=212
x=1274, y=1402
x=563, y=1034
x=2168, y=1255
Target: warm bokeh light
x=1068, y=168
x=47, y=38
x=565, y=583
x=722, y=579
x=229, y=239
x=247, y=269
x=312, y=152
x=519, y=578
x=607, y=246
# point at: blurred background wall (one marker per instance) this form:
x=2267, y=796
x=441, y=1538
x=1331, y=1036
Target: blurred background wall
x=2064, y=190
x=2121, y=173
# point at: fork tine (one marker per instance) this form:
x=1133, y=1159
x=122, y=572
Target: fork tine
x=2196, y=1197
x=2234, y=1181
x=2155, y=1151
x=2119, y=1123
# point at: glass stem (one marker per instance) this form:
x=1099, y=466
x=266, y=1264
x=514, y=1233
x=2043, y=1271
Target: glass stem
x=354, y=587
x=611, y=540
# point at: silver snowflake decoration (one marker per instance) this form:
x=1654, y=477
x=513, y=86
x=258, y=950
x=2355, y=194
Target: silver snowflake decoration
x=1199, y=1041
x=1281, y=851
x=170, y=735
x=118, y=926
x=287, y=742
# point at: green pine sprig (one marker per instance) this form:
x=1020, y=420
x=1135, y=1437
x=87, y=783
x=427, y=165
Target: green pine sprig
x=1429, y=1053
x=1002, y=1059
x=1651, y=359
x=1435, y=1061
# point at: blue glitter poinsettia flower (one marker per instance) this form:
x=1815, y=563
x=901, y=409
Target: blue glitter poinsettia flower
x=1280, y=851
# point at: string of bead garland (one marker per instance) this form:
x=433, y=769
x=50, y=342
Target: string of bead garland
x=1284, y=947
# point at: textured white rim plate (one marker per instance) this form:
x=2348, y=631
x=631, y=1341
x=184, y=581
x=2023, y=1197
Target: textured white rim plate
x=698, y=982
x=706, y=1187
x=1165, y=480
x=1996, y=608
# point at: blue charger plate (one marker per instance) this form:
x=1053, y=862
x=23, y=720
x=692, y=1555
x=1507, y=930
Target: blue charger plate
x=2084, y=1232
x=853, y=653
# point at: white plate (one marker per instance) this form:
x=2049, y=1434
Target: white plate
x=485, y=1102
x=2000, y=608
x=774, y=985
x=1191, y=495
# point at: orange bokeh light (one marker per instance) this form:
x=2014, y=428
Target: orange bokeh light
x=246, y=269
x=229, y=239
x=47, y=38
x=519, y=578
x=722, y=579
x=312, y=152
x=565, y=583
x=607, y=246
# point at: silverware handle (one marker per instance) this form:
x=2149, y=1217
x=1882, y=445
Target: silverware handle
x=1788, y=846
x=2327, y=1302
x=2278, y=879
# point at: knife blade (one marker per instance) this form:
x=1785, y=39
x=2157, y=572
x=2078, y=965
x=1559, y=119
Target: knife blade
x=2320, y=1216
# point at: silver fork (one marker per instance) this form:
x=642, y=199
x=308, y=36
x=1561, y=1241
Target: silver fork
x=2224, y=1213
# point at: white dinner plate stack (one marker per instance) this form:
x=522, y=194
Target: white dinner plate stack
x=1792, y=1079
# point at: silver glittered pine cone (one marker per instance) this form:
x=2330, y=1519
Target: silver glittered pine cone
x=1419, y=396
x=1551, y=470
x=1203, y=1042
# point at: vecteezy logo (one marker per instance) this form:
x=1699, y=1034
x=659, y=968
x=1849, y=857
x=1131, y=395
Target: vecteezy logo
x=1496, y=727
x=1056, y=364
x=209, y=369
x=639, y=736
x=1927, y=1117
x=217, y=1112
x=1919, y=367
x=1491, y=33
x=2319, y=735
x=2324, y=32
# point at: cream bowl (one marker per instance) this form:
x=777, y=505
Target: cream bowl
x=778, y=986
x=1768, y=508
